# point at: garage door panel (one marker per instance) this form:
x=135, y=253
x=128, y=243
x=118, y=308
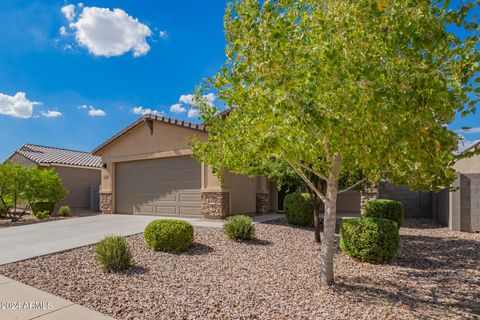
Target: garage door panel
x=162, y=186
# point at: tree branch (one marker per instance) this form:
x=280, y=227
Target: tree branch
x=352, y=186
x=308, y=182
x=314, y=172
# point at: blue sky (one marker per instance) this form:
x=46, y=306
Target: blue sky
x=67, y=80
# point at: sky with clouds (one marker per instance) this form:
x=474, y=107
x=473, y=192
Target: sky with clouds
x=75, y=73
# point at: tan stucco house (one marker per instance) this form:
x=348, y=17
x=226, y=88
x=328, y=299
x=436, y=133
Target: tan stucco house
x=148, y=169
x=80, y=171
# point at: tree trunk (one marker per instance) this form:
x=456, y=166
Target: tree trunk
x=329, y=221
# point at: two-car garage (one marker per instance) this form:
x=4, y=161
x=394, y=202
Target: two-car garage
x=168, y=186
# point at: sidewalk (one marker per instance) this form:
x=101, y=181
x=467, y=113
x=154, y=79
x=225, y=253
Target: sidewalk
x=21, y=302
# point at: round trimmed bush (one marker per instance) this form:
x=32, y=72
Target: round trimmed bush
x=387, y=209
x=239, y=228
x=298, y=209
x=113, y=253
x=169, y=235
x=372, y=240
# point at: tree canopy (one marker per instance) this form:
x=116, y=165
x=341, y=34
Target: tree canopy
x=343, y=86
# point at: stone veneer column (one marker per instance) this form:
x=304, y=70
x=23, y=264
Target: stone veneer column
x=215, y=204
x=369, y=193
x=262, y=202
x=106, y=202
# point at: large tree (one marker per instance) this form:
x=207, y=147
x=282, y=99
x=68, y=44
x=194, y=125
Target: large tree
x=342, y=86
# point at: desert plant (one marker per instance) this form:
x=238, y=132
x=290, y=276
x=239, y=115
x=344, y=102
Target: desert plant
x=239, y=228
x=64, y=211
x=169, y=235
x=113, y=253
x=372, y=240
x=299, y=209
x=382, y=208
x=42, y=214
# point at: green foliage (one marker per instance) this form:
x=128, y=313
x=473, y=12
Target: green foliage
x=169, y=235
x=372, y=240
x=388, y=209
x=113, y=253
x=298, y=209
x=64, y=211
x=22, y=188
x=304, y=81
x=239, y=228
x=41, y=206
x=42, y=214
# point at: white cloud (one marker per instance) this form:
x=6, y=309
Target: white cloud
x=17, y=106
x=51, y=113
x=188, y=98
x=108, y=33
x=177, y=108
x=193, y=113
x=69, y=12
x=467, y=131
x=63, y=31
x=163, y=34
x=96, y=112
x=141, y=110
x=92, y=111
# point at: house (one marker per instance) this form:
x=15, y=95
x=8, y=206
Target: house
x=80, y=171
x=148, y=169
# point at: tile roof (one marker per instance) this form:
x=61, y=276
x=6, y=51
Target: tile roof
x=51, y=155
x=172, y=121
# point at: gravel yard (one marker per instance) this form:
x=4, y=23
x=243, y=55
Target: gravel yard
x=436, y=275
x=30, y=219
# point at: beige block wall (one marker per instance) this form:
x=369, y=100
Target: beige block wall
x=468, y=165
x=19, y=159
x=77, y=181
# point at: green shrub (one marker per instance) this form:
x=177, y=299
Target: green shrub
x=369, y=239
x=42, y=206
x=169, y=235
x=64, y=211
x=298, y=209
x=387, y=209
x=239, y=228
x=42, y=215
x=113, y=253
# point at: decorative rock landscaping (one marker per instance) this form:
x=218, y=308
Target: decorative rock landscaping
x=435, y=275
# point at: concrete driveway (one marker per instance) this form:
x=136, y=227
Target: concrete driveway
x=25, y=242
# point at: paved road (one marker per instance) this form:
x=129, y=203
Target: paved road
x=24, y=242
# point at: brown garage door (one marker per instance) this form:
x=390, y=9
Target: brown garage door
x=168, y=186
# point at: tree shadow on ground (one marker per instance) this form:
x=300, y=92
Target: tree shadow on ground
x=199, y=249
x=442, y=299
x=437, y=253
x=133, y=271
x=421, y=223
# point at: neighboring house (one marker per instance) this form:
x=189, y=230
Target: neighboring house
x=80, y=171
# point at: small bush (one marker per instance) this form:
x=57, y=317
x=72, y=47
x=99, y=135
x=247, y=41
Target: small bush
x=113, y=253
x=298, y=209
x=42, y=215
x=42, y=206
x=387, y=209
x=239, y=228
x=169, y=235
x=64, y=211
x=372, y=240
